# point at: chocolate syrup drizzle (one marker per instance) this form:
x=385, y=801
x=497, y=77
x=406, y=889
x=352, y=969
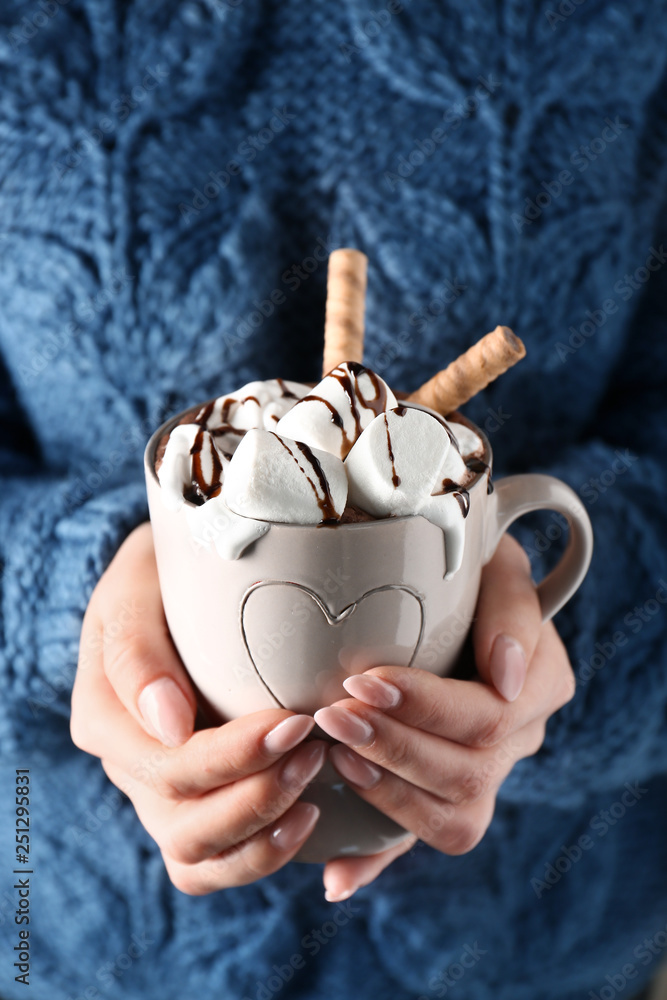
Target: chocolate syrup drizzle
x=285, y=391
x=324, y=502
x=396, y=480
x=461, y=494
x=448, y=486
x=350, y=385
x=477, y=466
x=204, y=489
x=463, y=498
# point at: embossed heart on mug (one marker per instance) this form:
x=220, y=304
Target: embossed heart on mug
x=303, y=650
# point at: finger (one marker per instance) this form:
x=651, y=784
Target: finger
x=190, y=831
x=261, y=854
x=508, y=619
x=210, y=758
x=449, y=827
x=470, y=714
x=139, y=657
x=447, y=770
x=343, y=876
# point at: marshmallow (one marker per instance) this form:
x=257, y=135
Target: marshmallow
x=246, y=408
x=453, y=469
x=394, y=466
x=215, y=524
x=274, y=450
x=469, y=443
x=335, y=413
x=449, y=511
x=256, y=404
x=274, y=478
x=190, y=458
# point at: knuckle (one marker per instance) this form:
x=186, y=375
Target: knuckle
x=254, y=862
x=124, y=653
x=534, y=744
x=246, y=861
x=510, y=551
x=395, y=756
x=466, y=830
x=186, y=881
x=153, y=770
x=522, y=559
x=176, y=847
x=80, y=732
x=177, y=841
x=463, y=837
x=164, y=786
x=261, y=806
x=528, y=742
x=568, y=685
x=475, y=784
x=261, y=803
x=494, y=728
x=429, y=718
x=398, y=797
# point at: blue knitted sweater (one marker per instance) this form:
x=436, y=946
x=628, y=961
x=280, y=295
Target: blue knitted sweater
x=171, y=176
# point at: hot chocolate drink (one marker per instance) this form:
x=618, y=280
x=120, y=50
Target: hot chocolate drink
x=342, y=452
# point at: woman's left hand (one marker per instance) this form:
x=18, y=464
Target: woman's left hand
x=432, y=752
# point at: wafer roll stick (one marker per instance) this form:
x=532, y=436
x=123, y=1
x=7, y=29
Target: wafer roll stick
x=471, y=372
x=346, y=302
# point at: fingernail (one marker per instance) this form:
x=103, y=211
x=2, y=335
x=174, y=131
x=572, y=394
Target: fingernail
x=337, y=897
x=294, y=826
x=302, y=766
x=344, y=725
x=507, y=667
x=288, y=733
x=354, y=768
x=373, y=690
x=166, y=712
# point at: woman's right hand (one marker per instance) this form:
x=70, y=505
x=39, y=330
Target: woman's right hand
x=221, y=802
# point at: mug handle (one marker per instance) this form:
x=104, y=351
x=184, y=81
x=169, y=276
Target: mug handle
x=518, y=495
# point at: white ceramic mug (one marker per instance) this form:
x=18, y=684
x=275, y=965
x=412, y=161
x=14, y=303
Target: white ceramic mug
x=304, y=607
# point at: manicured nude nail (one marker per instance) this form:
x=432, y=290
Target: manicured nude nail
x=294, y=826
x=373, y=690
x=166, y=712
x=338, y=897
x=288, y=733
x=344, y=725
x=302, y=766
x=354, y=768
x=507, y=667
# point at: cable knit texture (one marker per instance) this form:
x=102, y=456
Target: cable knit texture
x=165, y=167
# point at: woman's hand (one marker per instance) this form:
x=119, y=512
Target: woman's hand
x=221, y=802
x=431, y=752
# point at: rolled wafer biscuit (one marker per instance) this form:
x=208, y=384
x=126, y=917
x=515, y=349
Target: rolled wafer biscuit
x=346, y=302
x=471, y=372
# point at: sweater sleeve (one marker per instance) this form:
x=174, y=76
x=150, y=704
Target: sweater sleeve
x=55, y=542
x=615, y=628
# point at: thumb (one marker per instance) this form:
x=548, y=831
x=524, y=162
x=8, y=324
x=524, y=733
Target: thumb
x=508, y=620
x=140, y=661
